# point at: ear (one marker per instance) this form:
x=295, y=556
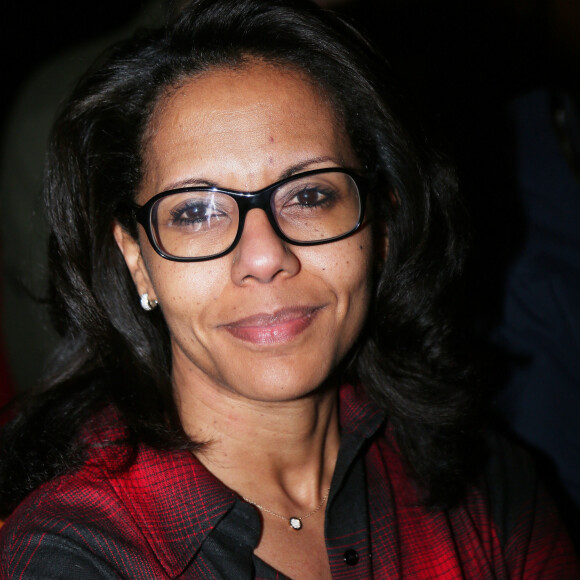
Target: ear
x=382, y=233
x=381, y=242
x=131, y=251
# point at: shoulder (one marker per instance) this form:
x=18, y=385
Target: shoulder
x=64, y=526
x=511, y=503
x=81, y=524
x=525, y=517
x=134, y=513
x=509, y=483
x=75, y=524
x=506, y=523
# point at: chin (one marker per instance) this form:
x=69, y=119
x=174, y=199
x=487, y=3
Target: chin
x=281, y=385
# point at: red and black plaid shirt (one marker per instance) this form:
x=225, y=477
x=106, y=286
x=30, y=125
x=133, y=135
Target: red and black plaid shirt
x=168, y=517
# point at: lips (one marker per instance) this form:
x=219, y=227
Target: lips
x=279, y=327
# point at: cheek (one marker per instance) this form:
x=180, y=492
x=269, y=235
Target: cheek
x=347, y=269
x=358, y=269
x=186, y=290
x=354, y=260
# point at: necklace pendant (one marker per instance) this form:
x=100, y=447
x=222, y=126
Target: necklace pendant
x=295, y=523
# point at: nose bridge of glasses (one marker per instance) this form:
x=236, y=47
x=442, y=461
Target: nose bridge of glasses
x=257, y=200
x=254, y=200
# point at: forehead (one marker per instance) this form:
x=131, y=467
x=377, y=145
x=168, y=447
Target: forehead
x=254, y=82
x=243, y=120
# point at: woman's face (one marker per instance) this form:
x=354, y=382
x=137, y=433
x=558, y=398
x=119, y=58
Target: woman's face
x=269, y=321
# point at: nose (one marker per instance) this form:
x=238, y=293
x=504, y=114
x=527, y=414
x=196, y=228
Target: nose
x=261, y=255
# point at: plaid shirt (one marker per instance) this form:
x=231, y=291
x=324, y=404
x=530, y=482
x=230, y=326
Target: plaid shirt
x=168, y=517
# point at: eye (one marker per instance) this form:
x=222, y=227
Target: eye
x=195, y=212
x=310, y=197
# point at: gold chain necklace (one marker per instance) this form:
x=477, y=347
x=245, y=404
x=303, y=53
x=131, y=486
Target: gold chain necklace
x=294, y=521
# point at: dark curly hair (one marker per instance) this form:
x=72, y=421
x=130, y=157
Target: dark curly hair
x=114, y=353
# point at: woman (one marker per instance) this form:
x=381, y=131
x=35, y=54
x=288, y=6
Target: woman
x=252, y=253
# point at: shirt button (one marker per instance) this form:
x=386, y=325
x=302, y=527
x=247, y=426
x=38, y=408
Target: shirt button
x=351, y=557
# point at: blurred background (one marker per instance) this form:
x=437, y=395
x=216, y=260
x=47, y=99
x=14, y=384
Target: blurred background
x=512, y=42
x=36, y=31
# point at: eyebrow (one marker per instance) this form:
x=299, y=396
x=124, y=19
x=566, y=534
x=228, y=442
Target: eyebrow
x=298, y=167
x=292, y=170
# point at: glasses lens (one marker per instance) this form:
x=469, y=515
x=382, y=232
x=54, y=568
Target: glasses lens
x=318, y=207
x=195, y=224
x=307, y=209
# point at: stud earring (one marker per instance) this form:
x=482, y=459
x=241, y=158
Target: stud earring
x=147, y=304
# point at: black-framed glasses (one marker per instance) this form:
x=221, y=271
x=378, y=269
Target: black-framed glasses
x=191, y=224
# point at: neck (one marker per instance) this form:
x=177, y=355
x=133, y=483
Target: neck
x=280, y=454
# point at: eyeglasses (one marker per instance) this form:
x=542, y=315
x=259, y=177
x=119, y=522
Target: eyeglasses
x=191, y=224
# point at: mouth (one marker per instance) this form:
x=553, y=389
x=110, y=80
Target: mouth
x=280, y=327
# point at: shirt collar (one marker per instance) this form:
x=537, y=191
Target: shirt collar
x=359, y=416
x=176, y=502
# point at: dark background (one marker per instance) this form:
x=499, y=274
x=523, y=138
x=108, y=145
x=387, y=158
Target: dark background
x=451, y=51
x=33, y=32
